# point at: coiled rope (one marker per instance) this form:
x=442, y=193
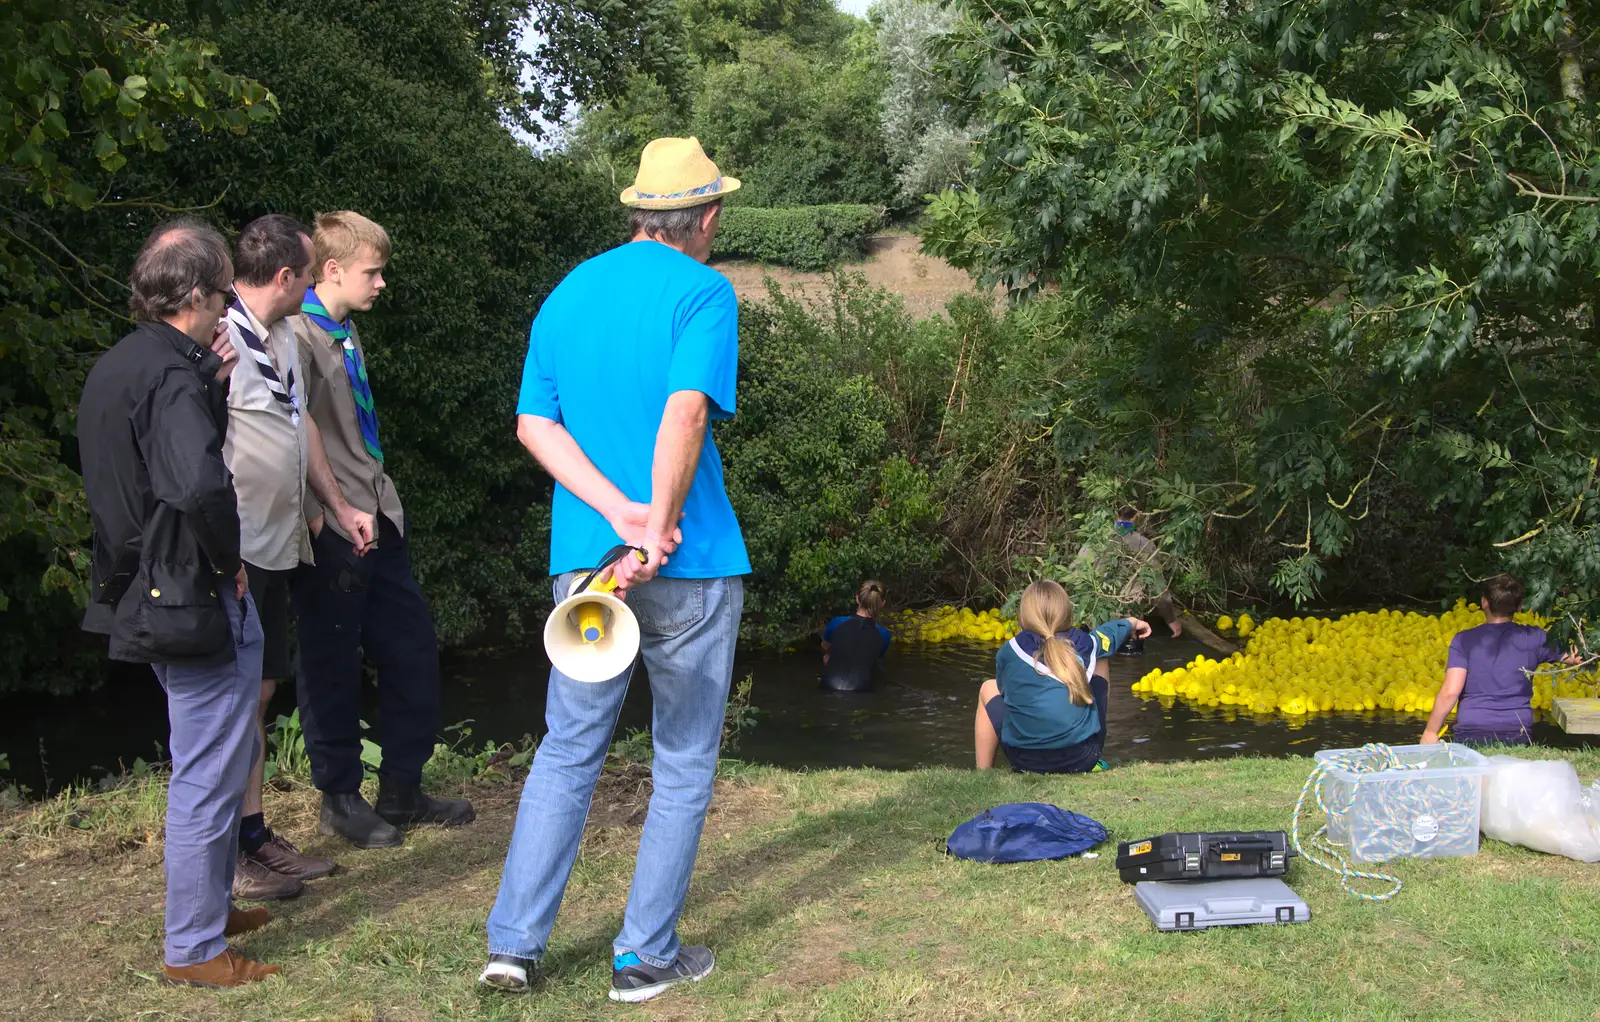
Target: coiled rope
x=1371, y=758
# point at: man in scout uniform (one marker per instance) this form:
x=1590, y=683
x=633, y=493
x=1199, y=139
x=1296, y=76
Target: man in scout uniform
x=271, y=449
x=630, y=359
x=360, y=597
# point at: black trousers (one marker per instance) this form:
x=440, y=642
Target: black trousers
x=347, y=609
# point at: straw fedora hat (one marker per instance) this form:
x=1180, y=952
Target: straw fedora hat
x=675, y=173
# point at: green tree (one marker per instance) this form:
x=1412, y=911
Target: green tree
x=1334, y=267
x=925, y=143
x=717, y=30
x=585, y=51
x=824, y=496
x=800, y=130
x=85, y=87
x=786, y=94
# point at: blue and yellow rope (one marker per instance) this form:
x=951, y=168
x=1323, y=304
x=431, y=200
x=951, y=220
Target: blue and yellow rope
x=1370, y=758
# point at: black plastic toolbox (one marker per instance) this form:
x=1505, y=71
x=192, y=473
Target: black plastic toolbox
x=1222, y=855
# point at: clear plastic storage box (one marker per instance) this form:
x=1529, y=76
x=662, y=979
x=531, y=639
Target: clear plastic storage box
x=1423, y=804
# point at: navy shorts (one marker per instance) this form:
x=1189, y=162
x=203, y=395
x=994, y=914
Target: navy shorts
x=1072, y=759
x=271, y=591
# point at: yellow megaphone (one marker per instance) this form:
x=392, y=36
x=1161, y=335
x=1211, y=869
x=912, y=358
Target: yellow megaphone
x=592, y=635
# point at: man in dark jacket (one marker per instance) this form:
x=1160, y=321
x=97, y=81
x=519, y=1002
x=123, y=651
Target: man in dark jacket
x=168, y=587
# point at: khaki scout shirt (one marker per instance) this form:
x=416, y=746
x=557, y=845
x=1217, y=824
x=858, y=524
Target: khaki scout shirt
x=266, y=450
x=327, y=388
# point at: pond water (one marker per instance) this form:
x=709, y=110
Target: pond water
x=921, y=714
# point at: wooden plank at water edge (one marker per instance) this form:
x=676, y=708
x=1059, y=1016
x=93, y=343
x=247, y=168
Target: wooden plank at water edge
x=1578, y=716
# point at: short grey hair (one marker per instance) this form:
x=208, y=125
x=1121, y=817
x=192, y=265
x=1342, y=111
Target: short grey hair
x=180, y=257
x=673, y=226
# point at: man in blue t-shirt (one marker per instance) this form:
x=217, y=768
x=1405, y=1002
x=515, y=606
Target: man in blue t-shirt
x=630, y=359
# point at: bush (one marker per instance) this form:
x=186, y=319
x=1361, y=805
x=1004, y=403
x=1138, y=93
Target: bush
x=802, y=237
x=824, y=495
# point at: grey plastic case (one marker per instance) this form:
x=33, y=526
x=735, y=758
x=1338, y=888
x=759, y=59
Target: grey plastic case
x=1191, y=905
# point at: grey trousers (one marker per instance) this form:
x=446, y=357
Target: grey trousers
x=213, y=715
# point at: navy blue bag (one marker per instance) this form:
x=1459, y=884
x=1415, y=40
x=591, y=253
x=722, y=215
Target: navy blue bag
x=1024, y=832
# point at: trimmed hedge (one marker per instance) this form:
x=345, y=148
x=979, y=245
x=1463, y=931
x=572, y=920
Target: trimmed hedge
x=801, y=237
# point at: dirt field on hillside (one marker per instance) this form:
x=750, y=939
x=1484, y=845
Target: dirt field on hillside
x=893, y=262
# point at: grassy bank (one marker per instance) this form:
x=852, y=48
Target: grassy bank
x=825, y=896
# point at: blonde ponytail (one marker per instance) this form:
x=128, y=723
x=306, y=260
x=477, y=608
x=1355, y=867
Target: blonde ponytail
x=1067, y=668
x=1046, y=609
x=870, y=597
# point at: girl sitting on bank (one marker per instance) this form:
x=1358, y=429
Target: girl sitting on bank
x=1046, y=704
x=852, y=644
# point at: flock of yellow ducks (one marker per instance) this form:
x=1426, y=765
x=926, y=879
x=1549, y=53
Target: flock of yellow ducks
x=1366, y=661
x=1383, y=660
x=948, y=624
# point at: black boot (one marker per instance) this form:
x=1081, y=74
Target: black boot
x=349, y=817
x=401, y=803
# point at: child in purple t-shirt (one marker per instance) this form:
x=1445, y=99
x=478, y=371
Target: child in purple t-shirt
x=1490, y=672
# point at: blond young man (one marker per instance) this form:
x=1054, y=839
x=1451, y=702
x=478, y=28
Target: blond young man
x=360, y=599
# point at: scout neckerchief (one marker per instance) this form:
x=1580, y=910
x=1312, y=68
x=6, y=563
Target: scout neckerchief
x=1027, y=645
x=354, y=368
x=282, y=392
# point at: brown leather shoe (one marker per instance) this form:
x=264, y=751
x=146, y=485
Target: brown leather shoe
x=229, y=969
x=243, y=920
x=253, y=881
x=281, y=856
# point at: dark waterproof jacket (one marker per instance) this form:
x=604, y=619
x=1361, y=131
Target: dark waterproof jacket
x=166, y=521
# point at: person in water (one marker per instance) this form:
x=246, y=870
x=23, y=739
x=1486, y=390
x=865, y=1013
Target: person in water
x=1046, y=704
x=852, y=644
x=1148, y=578
x=1490, y=672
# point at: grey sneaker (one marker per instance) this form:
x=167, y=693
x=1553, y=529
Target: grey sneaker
x=509, y=973
x=633, y=980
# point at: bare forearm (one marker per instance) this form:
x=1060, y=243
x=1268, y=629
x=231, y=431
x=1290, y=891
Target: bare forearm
x=677, y=457
x=555, y=449
x=1441, y=709
x=1445, y=701
x=319, y=474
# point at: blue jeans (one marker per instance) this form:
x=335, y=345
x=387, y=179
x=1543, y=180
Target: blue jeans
x=213, y=715
x=688, y=628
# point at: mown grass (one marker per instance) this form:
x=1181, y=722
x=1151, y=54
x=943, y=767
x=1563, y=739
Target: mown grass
x=826, y=896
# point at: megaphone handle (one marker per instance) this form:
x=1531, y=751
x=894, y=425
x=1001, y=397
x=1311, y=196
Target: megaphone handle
x=610, y=558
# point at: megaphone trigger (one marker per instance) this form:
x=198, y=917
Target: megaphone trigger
x=610, y=581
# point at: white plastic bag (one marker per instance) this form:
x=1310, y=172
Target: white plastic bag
x=1541, y=804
